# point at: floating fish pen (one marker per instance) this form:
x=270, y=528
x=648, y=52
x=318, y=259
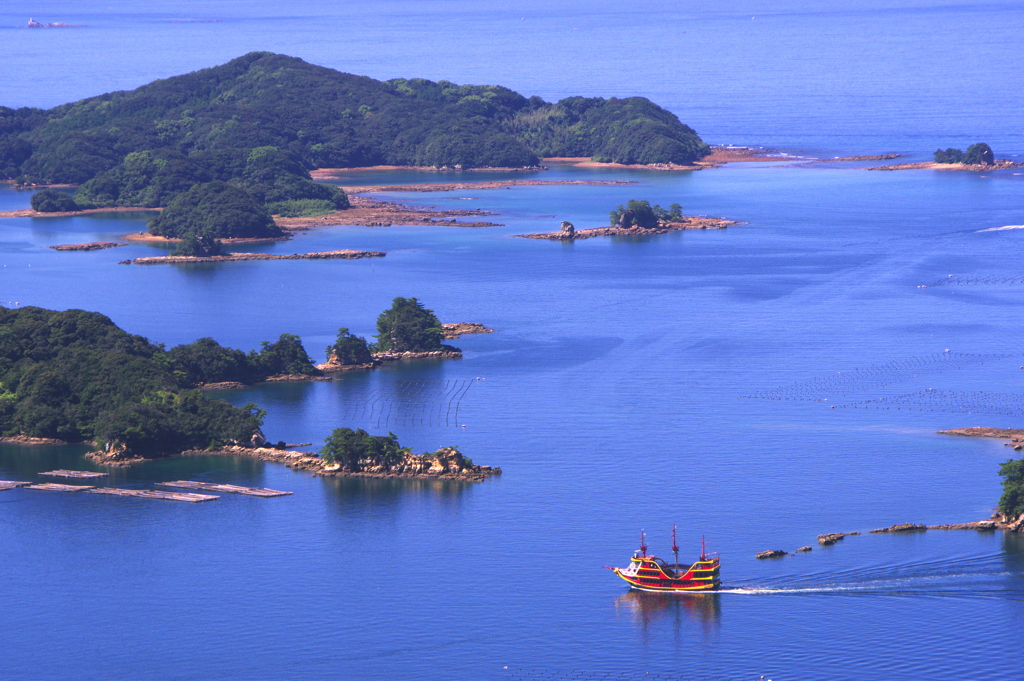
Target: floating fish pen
x=875, y=377
x=410, y=403
x=61, y=473
x=225, y=489
x=153, y=494
x=947, y=401
x=11, y=484
x=58, y=487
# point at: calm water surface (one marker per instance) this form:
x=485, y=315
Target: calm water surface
x=630, y=383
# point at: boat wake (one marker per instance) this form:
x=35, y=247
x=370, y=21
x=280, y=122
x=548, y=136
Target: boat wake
x=1000, y=229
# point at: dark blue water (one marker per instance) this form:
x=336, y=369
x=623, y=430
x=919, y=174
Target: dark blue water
x=684, y=378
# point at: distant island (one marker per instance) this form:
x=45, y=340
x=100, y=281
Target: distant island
x=978, y=157
x=636, y=218
x=74, y=376
x=239, y=140
x=32, y=23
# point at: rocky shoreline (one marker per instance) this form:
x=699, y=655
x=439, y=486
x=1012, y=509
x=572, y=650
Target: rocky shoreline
x=997, y=522
x=494, y=184
x=444, y=464
x=1014, y=435
x=333, y=365
x=91, y=246
x=1000, y=164
x=459, y=329
x=664, y=228
x=240, y=257
x=367, y=212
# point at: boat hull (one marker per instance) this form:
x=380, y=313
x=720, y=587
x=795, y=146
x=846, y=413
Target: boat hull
x=650, y=574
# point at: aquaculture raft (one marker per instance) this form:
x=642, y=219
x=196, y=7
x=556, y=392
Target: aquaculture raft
x=11, y=484
x=58, y=487
x=153, y=494
x=649, y=573
x=62, y=473
x=226, y=489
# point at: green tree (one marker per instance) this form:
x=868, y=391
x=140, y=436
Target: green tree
x=979, y=154
x=53, y=201
x=198, y=245
x=408, y=327
x=352, y=449
x=350, y=349
x=640, y=213
x=950, y=155
x=215, y=210
x=76, y=376
x=284, y=356
x=1011, y=503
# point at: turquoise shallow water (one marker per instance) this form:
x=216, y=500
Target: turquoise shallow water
x=629, y=383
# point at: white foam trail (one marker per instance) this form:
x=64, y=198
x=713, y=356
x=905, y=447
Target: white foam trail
x=999, y=229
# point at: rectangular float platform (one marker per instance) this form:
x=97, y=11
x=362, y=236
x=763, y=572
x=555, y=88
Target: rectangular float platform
x=61, y=473
x=11, y=484
x=153, y=494
x=58, y=487
x=224, y=489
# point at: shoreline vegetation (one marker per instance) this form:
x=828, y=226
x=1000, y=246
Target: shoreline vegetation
x=1010, y=513
x=75, y=377
x=998, y=164
x=685, y=223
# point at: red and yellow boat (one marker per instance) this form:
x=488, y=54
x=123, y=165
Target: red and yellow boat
x=648, y=573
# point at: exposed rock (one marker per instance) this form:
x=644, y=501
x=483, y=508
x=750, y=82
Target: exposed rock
x=91, y=246
x=976, y=525
x=295, y=378
x=28, y=440
x=904, y=527
x=833, y=537
x=114, y=454
x=664, y=228
x=774, y=553
x=804, y=549
x=237, y=257
x=222, y=385
x=456, y=329
x=334, y=365
x=446, y=352
x=444, y=464
x=568, y=230
x=626, y=219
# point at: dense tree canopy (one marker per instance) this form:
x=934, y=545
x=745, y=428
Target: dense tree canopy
x=206, y=361
x=643, y=214
x=1012, y=501
x=351, y=449
x=74, y=375
x=217, y=210
x=206, y=124
x=52, y=201
x=349, y=349
x=976, y=154
x=407, y=326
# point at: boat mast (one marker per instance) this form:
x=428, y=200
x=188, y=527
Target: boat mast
x=675, y=547
x=643, y=543
x=703, y=545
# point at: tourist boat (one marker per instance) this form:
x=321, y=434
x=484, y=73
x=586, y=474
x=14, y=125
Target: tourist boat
x=648, y=573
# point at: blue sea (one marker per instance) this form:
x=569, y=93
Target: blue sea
x=756, y=386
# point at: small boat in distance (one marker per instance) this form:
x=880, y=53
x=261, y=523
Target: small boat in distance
x=648, y=573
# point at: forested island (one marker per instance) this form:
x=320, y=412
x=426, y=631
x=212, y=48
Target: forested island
x=74, y=376
x=259, y=123
x=636, y=218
